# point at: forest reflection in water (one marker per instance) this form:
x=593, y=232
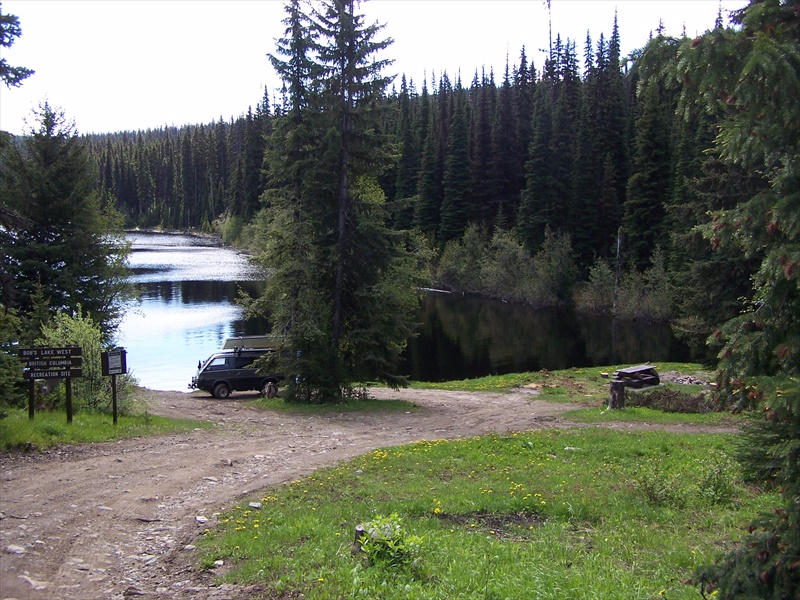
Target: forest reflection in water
x=462, y=337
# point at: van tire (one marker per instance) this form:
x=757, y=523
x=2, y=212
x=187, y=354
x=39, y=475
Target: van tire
x=222, y=391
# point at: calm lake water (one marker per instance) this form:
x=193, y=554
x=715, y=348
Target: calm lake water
x=188, y=288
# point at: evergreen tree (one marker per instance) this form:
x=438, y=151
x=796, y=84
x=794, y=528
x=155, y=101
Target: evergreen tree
x=65, y=245
x=524, y=89
x=427, y=209
x=483, y=194
x=351, y=317
x=507, y=165
x=456, y=206
x=10, y=30
x=537, y=206
x=750, y=77
x=408, y=168
x=648, y=187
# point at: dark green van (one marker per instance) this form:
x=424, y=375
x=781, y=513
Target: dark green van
x=232, y=370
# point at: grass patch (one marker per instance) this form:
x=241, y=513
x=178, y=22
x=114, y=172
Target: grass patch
x=578, y=513
x=50, y=429
x=639, y=414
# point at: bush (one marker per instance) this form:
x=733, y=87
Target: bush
x=11, y=393
x=670, y=400
x=507, y=269
x=232, y=229
x=597, y=295
x=93, y=390
x=503, y=268
x=646, y=296
x=460, y=265
x=386, y=542
x=555, y=270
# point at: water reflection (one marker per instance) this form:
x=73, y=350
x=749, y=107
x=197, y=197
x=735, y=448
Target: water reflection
x=463, y=337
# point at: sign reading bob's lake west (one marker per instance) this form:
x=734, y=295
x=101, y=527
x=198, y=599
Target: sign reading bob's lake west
x=52, y=363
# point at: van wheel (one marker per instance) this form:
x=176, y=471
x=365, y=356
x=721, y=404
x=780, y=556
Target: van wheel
x=222, y=391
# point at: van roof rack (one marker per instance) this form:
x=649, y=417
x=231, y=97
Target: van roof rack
x=254, y=342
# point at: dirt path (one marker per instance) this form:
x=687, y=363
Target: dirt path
x=117, y=520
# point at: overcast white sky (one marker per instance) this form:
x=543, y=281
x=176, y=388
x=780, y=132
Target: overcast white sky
x=127, y=65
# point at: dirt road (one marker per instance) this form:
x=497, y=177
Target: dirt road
x=117, y=520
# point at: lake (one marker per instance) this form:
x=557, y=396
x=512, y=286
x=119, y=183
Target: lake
x=188, y=287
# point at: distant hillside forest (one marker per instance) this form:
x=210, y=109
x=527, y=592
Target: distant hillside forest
x=589, y=151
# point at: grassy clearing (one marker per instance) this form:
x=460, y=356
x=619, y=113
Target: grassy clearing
x=568, y=385
x=49, y=429
x=584, y=513
x=636, y=414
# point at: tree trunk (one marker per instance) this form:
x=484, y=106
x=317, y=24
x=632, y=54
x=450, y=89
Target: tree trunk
x=616, y=398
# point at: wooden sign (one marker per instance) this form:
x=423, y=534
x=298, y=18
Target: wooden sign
x=52, y=363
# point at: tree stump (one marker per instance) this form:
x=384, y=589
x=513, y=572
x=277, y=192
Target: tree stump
x=360, y=533
x=616, y=397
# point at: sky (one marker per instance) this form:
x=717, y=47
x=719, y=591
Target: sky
x=142, y=64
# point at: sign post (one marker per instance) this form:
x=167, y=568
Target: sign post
x=51, y=363
x=114, y=363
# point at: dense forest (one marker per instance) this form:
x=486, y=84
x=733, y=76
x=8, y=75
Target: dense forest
x=588, y=147
x=552, y=148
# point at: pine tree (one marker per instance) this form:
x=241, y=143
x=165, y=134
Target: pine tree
x=457, y=204
x=9, y=31
x=536, y=207
x=648, y=187
x=65, y=246
x=524, y=89
x=750, y=77
x=485, y=208
x=428, y=207
x=347, y=315
x=507, y=165
x=408, y=168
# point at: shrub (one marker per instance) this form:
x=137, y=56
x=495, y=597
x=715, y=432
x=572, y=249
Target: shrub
x=10, y=366
x=555, y=270
x=670, y=400
x=597, y=295
x=507, y=269
x=385, y=541
x=232, y=229
x=714, y=481
x=648, y=295
x=92, y=390
x=659, y=487
x=460, y=265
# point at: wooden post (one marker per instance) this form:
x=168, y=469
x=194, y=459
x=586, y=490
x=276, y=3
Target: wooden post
x=616, y=398
x=114, y=396
x=619, y=268
x=69, y=400
x=31, y=397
